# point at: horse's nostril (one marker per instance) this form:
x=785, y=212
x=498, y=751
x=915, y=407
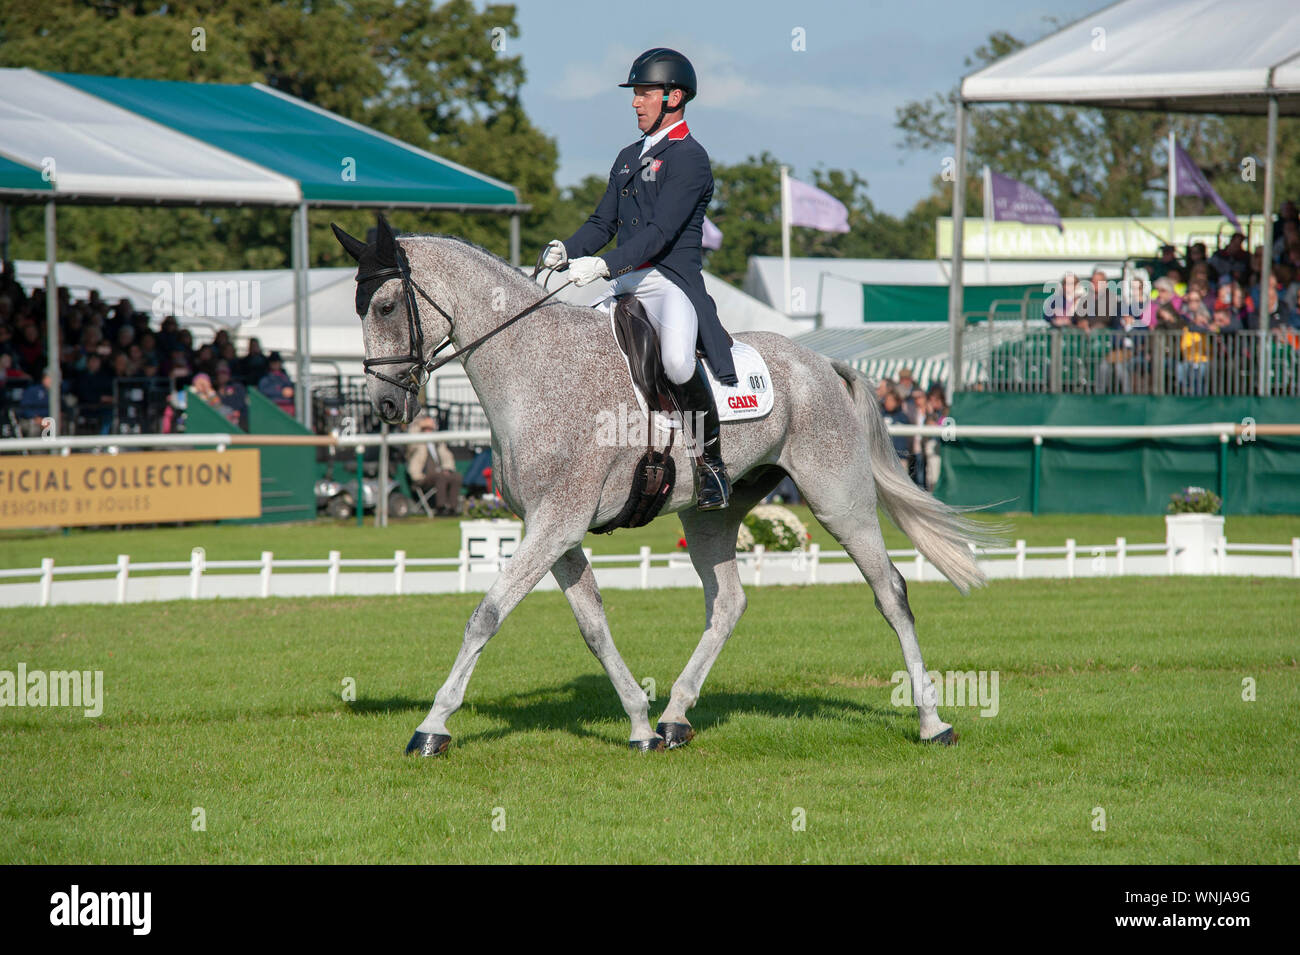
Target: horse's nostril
x=388, y=408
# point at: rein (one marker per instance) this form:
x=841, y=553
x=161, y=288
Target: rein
x=420, y=368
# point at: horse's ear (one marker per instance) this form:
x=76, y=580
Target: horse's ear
x=386, y=242
x=353, y=247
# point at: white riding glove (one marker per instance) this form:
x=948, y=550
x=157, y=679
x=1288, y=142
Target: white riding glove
x=555, y=255
x=587, y=269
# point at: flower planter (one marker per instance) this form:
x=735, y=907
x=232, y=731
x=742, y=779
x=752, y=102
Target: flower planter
x=1193, y=538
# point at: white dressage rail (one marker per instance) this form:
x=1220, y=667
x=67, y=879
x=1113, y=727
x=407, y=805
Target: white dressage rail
x=948, y=431
x=200, y=578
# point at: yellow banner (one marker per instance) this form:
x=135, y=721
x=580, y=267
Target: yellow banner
x=147, y=487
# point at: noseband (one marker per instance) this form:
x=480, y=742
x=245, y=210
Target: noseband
x=418, y=367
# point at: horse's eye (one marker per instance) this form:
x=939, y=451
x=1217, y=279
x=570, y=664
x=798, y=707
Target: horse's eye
x=386, y=308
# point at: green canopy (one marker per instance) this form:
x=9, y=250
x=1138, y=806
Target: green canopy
x=336, y=162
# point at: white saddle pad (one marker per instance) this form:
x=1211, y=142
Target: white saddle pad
x=750, y=398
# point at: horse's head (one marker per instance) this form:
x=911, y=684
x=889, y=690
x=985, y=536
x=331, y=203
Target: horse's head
x=396, y=331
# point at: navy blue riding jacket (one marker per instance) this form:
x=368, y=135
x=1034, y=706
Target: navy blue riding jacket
x=655, y=203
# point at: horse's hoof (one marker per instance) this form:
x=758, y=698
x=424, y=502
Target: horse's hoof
x=675, y=734
x=428, y=744
x=947, y=738
x=653, y=745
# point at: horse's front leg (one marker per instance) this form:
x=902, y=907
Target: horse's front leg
x=711, y=537
x=542, y=545
x=574, y=575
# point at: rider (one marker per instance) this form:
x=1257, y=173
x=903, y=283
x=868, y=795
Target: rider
x=659, y=188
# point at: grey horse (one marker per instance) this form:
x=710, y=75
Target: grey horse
x=543, y=382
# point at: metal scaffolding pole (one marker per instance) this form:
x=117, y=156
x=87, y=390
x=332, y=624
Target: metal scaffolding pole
x=52, y=317
x=955, y=317
x=1266, y=260
x=301, y=317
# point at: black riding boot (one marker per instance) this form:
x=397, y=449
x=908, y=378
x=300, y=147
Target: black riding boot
x=712, y=486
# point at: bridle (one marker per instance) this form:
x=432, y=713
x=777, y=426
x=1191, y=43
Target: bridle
x=420, y=368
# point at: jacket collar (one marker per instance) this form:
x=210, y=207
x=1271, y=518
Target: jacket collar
x=675, y=135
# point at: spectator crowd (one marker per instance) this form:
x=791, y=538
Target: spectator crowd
x=103, y=346
x=1198, y=302
x=903, y=401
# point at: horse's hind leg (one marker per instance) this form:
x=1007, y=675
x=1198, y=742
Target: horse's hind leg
x=574, y=575
x=850, y=516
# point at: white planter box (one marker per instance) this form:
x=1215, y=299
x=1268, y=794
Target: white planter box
x=490, y=541
x=1193, y=538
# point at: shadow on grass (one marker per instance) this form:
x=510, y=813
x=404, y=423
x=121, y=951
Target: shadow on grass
x=589, y=699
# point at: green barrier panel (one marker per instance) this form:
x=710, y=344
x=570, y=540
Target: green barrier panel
x=1095, y=476
x=929, y=303
x=288, y=473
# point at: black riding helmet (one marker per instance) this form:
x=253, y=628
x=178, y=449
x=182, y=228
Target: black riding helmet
x=662, y=67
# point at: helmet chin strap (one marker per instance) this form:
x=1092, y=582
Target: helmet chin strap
x=663, y=110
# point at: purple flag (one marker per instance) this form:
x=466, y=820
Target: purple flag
x=1190, y=181
x=1014, y=200
x=811, y=207
x=712, y=235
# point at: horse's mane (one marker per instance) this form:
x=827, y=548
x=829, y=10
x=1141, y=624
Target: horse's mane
x=489, y=254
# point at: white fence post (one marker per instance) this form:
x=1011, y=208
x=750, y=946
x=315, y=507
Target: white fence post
x=759, y=551
x=463, y=570
x=1020, y=560
x=47, y=579
x=645, y=568
x=123, y=569
x=399, y=570
x=1121, y=547
x=1295, y=557
x=197, y=556
x=266, y=573
x=1069, y=558
x=814, y=555
x=335, y=557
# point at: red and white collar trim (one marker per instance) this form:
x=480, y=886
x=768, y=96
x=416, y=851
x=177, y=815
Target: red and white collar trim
x=673, y=133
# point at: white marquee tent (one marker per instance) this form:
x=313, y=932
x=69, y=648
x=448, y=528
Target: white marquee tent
x=1193, y=56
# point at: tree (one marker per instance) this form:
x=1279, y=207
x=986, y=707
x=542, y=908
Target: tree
x=747, y=208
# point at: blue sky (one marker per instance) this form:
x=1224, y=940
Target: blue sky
x=832, y=105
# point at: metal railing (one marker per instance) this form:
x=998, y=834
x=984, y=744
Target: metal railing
x=1136, y=362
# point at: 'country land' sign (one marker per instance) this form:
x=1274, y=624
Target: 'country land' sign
x=1102, y=239
x=136, y=488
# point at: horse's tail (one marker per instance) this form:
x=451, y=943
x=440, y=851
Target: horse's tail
x=941, y=532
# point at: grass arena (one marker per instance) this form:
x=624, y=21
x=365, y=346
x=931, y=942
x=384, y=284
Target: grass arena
x=1117, y=720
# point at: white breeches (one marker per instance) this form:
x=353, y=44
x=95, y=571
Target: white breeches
x=672, y=314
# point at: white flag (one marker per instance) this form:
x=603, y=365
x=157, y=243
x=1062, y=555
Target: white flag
x=811, y=207
x=712, y=235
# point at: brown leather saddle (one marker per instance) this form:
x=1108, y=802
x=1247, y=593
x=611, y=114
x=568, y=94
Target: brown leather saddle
x=654, y=475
